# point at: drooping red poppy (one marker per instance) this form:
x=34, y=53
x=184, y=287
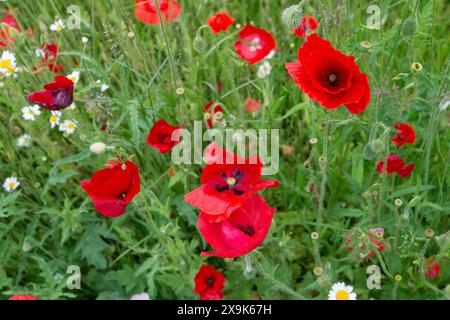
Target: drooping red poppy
x=405, y=134
x=375, y=237
x=252, y=105
x=241, y=233
x=50, y=57
x=254, y=44
x=23, y=297
x=308, y=24
x=112, y=188
x=212, y=113
x=58, y=94
x=395, y=164
x=209, y=283
x=8, y=25
x=163, y=136
x=330, y=77
x=220, y=22
x=146, y=11
x=433, y=268
x=228, y=181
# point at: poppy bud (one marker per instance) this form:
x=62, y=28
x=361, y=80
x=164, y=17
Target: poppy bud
x=409, y=26
x=98, y=147
x=292, y=16
x=199, y=44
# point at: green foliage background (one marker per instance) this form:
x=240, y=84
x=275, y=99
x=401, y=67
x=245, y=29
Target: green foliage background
x=155, y=247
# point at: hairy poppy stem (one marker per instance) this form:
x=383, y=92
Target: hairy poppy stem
x=276, y=282
x=323, y=167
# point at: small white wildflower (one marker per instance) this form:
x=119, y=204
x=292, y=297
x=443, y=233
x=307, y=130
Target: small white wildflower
x=264, y=69
x=74, y=76
x=340, y=291
x=39, y=53
x=55, y=118
x=11, y=184
x=140, y=296
x=57, y=26
x=104, y=87
x=30, y=112
x=24, y=141
x=270, y=55
x=84, y=40
x=68, y=126
x=73, y=106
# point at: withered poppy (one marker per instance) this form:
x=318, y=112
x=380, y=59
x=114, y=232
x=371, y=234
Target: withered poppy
x=395, y=164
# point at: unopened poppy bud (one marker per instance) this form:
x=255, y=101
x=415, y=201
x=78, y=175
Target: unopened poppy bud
x=26, y=247
x=398, y=202
x=429, y=233
x=314, y=235
x=292, y=16
x=318, y=271
x=409, y=26
x=98, y=147
x=199, y=44
x=416, y=67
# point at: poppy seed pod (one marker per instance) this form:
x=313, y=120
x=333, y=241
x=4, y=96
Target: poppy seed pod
x=97, y=147
x=292, y=16
x=409, y=26
x=199, y=44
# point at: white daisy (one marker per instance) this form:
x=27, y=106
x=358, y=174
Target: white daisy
x=11, y=184
x=68, y=126
x=58, y=25
x=340, y=291
x=24, y=141
x=74, y=76
x=54, y=118
x=84, y=40
x=7, y=63
x=30, y=112
x=104, y=87
x=264, y=69
x=39, y=53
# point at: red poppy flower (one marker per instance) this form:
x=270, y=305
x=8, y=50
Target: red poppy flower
x=111, y=189
x=23, y=297
x=254, y=44
x=228, y=181
x=220, y=22
x=211, y=113
x=375, y=239
x=209, y=283
x=308, y=24
x=405, y=134
x=163, y=136
x=241, y=233
x=146, y=10
x=58, y=94
x=9, y=20
x=49, y=59
x=433, y=268
x=8, y=25
x=395, y=164
x=330, y=77
x=252, y=105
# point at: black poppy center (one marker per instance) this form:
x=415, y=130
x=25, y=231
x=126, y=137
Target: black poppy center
x=247, y=229
x=333, y=79
x=210, y=281
x=231, y=182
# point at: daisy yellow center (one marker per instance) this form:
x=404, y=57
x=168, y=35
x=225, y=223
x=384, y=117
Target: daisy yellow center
x=70, y=125
x=5, y=64
x=31, y=112
x=73, y=79
x=53, y=119
x=12, y=184
x=11, y=70
x=58, y=27
x=342, y=295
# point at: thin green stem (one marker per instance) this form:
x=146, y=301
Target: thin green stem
x=323, y=168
